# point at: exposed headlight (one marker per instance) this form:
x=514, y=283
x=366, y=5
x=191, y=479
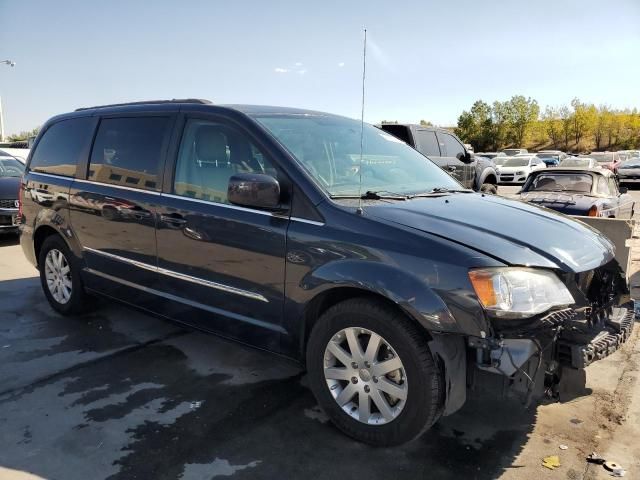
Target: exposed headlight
x=514, y=292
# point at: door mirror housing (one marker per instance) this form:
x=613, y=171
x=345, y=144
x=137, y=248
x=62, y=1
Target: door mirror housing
x=465, y=157
x=623, y=189
x=255, y=190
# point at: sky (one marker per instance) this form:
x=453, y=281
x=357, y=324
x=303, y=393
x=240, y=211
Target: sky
x=426, y=59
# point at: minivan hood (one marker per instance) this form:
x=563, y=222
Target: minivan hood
x=514, y=232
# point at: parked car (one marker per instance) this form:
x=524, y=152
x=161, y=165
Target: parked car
x=608, y=160
x=511, y=152
x=628, y=154
x=551, y=158
x=273, y=226
x=447, y=151
x=629, y=171
x=20, y=154
x=516, y=169
x=490, y=155
x=10, y=172
x=579, y=162
x=576, y=191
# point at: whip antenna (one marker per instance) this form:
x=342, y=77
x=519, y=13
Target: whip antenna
x=364, y=73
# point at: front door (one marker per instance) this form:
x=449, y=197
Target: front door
x=226, y=261
x=453, y=153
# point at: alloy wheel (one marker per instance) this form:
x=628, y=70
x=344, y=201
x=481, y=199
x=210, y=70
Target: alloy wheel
x=57, y=272
x=365, y=376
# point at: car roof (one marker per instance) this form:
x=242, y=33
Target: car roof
x=599, y=171
x=188, y=105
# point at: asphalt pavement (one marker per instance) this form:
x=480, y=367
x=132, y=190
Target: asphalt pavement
x=118, y=394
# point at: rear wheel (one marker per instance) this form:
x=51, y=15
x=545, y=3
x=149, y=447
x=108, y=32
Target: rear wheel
x=489, y=188
x=60, y=276
x=372, y=372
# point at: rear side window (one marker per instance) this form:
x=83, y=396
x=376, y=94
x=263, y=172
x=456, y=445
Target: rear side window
x=129, y=151
x=61, y=146
x=428, y=143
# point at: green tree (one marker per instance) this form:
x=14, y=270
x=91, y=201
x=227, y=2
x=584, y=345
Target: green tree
x=24, y=135
x=522, y=112
x=426, y=123
x=552, y=125
x=566, y=125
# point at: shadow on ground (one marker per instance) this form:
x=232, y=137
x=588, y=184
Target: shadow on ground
x=119, y=395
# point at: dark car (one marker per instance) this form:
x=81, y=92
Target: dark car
x=551, y=158
x=574, y=191
x=10, y=172
x=324, y=240
x=446, y=150
x=629, y=171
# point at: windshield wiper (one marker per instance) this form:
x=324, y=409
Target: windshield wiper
x=377, y=195
x=439, y=191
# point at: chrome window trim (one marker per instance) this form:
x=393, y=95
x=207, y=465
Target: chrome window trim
x=182, y=276
x=92, y=182
x=121, y=187
x=310, y=222
x=51, y=175
x=218, y=204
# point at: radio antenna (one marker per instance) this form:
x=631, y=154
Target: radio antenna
x=364, y=73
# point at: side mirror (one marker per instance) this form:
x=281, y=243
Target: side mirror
x=254, y=190
x=465, y=157
x=623, y=189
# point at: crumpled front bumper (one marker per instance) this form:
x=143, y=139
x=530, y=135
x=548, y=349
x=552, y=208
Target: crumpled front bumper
x=579, y=347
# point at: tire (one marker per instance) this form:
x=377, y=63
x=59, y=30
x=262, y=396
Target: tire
x=489, y=188
x=69, y=280
x=418, y=379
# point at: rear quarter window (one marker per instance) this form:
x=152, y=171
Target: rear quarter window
x=61, y=147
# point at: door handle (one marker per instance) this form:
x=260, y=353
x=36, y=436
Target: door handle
x=173, y=219
x=452, y=168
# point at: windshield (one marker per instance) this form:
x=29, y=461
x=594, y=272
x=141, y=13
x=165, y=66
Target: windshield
x=512, y=151
x=631, y=163
x=499, y=160
x=560, y=182
x=602, y=157
x=328, y=147
x=548, y=155
x=10, y=167
x=516, y=162
x=576, y=162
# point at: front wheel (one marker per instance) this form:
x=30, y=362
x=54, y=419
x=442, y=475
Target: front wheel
x=371, y=371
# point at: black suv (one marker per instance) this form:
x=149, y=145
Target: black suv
x=274, y=227
x=446, y=150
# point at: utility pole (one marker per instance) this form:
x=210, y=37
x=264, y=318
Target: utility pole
x=10, y=63
x=1, y=122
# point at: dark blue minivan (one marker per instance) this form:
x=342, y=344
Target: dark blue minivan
x=323, y=239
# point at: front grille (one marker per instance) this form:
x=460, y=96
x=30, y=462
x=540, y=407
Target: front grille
x=5, y=203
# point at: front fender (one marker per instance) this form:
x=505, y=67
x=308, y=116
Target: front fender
x=407, y=291
x=487, y=171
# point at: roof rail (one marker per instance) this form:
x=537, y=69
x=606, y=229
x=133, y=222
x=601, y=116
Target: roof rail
x=150, y=102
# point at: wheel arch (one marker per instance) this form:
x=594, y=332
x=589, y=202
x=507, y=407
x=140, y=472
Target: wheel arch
x=45, y=230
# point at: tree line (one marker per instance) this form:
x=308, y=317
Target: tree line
x=518, y=122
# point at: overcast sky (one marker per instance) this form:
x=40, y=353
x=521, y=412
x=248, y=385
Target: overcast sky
x=427, y=59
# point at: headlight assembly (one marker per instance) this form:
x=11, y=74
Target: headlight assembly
x=515, y=292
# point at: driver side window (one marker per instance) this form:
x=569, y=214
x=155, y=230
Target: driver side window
x=210, y=154
x=452, y=146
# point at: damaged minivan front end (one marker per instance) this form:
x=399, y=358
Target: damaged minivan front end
x=544, y=321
